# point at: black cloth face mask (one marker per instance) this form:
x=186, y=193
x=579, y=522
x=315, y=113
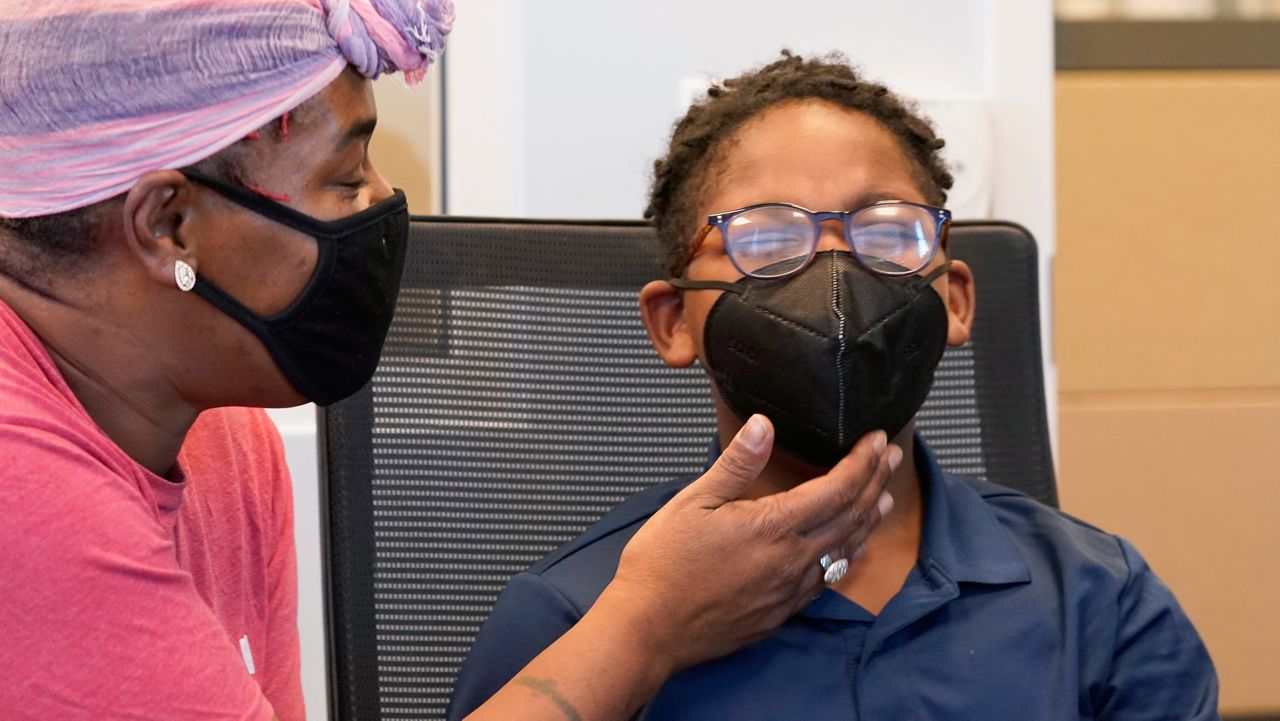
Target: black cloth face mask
x=327, y=342
x=828, y=354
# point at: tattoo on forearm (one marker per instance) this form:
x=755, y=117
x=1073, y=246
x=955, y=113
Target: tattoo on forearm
x=547, y=688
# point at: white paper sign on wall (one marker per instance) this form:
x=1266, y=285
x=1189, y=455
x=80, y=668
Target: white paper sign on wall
x=966, y=126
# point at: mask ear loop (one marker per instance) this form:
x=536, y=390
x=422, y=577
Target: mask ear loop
x=935, y=273
x=685, y=284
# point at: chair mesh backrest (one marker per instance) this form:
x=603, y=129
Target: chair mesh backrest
x=518, y=400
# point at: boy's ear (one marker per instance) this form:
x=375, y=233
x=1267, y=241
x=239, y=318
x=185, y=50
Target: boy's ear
x=662, y=310
x=959, y=297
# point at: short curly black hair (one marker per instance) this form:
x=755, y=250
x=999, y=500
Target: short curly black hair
x=681, y=177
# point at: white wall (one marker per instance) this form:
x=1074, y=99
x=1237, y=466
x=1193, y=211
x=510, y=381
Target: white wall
x=558, y=109
x=298, y=429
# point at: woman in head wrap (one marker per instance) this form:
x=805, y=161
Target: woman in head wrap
x=188, y=221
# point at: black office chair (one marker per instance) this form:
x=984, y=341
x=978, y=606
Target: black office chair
x=518, y=400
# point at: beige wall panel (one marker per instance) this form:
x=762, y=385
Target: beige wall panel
x=406, y=148
x=1196, y=486
x=1168, y=265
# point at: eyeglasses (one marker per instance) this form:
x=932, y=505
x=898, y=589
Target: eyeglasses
x=773, y=240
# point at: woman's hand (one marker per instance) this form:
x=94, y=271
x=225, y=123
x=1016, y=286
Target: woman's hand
x=705, y=576
x=709, y=574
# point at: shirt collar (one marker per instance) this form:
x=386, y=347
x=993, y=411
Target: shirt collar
x=963, y=539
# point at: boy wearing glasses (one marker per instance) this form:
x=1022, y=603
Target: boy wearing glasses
x=798, y=208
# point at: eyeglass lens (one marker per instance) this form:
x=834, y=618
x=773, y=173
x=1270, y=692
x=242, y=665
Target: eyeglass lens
x=774, y=240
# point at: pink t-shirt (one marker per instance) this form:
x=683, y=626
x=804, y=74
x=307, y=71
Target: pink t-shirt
x=128, y=595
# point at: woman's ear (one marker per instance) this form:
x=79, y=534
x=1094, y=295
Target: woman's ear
x=662, y=310
x=959, y=297
x=154, y=209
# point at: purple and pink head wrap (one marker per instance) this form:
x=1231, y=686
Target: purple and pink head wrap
x=96, y=93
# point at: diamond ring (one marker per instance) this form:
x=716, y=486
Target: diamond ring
x=834, y=568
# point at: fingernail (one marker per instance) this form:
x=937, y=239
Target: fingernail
x=752, y=434
x=895, y=458
x=879, y=440
x=884, y=504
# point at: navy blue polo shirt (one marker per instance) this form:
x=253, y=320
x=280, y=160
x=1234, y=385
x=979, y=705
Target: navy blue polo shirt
x=1014, y=611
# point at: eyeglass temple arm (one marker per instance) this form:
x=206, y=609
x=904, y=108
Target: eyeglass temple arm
x=695, y=245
